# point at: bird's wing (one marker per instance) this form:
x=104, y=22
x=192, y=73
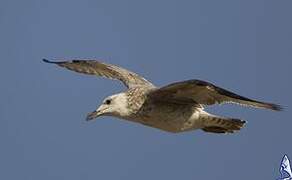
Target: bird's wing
x=92, y=67
x=204, y=93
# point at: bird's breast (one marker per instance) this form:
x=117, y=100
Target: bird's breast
x=168, y=117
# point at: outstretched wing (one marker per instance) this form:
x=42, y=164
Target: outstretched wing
x=204, y=93
x=93, y=67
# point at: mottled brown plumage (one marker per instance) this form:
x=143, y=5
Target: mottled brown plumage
x=176, y=107
x=92, y=67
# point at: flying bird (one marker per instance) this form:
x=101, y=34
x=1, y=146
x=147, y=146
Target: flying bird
x=176, y=107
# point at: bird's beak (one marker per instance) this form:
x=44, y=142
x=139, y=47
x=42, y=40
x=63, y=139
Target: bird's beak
x=99, y=112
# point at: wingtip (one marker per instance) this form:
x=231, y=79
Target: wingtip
x=47, y=61
x=277, y=107
x=51, y=62
x=274, y=107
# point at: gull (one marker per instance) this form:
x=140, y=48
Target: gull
x=177, y=107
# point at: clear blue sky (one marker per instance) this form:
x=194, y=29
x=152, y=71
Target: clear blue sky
x=244, y=46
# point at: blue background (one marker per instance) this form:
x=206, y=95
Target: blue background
x=244, y=46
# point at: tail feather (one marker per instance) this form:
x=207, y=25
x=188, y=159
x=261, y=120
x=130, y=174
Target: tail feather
x=216, y=124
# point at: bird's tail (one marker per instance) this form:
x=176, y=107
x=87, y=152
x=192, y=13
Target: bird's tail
x=217, y=124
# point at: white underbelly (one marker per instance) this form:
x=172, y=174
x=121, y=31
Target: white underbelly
x=171, y=119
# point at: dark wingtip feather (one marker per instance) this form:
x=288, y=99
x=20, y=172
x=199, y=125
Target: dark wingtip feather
x=51, y=62
x=47, y=61
x=275, y=107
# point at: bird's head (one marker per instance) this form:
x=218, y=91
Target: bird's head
x=115, y=105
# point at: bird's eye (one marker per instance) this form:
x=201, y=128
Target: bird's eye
x=108, y=101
